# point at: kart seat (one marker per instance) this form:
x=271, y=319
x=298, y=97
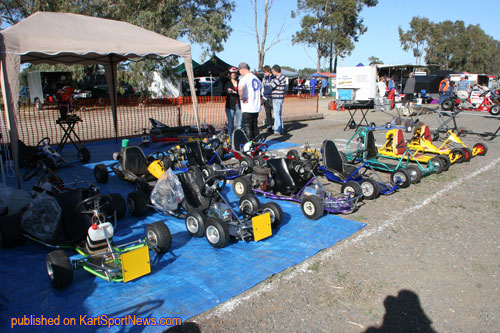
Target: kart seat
x=398, y=142
x=371, y=149
x=135, y=161
x=281, y=168
x=239, y=140
x=425, y=133
x=192, y=185
x=74, y=224
x=195, y=153
x=332, y=161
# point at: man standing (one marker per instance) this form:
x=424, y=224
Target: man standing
x=443, y=86
x=409, y=89
x=278, y=86
x=463, y=87
x=267, y=93
x=312, y=83
x=324, y=87
x=249, y=89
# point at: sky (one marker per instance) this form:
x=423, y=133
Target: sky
x=381, y=39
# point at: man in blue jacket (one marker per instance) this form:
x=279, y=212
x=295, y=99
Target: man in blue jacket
x=267, y=97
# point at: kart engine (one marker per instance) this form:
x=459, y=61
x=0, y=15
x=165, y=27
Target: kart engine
x=261, y=178
x=220, y=210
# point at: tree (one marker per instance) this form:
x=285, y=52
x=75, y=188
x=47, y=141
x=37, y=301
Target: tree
x=204, y=22
x=331, y=27
x=416, y=37
x=375, y=60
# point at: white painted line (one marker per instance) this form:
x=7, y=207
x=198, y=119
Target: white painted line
x=368, y=231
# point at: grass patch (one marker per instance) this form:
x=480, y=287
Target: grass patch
x=314, y=267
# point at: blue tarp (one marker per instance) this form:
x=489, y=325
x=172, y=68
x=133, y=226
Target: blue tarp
x=190, y=279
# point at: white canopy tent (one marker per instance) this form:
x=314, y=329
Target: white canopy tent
x=63, y=38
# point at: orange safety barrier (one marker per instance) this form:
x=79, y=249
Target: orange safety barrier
x=133, y=115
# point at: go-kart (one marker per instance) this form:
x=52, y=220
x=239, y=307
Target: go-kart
x=85, y=228
x=248, y=152
x=353, y=177
x=163, y=133
x=208, y=212
x=461, y=101
x=286, y=179
x=422, y=141
x=403, y=173
x=395, y=148
x=135, y=167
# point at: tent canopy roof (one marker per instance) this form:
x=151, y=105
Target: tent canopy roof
x=54, y=38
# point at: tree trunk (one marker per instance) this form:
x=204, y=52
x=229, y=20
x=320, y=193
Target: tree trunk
x=335, y=66
x=331, y=57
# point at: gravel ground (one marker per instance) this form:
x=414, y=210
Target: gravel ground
x=428, y=259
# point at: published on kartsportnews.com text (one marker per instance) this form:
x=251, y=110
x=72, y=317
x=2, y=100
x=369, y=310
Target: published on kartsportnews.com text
x=98, y=321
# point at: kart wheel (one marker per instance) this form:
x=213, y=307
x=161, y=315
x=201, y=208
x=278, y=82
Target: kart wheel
x=372, y=124
x=117, y=205
x=495, y=110
x=457, y=155
x=248, y=204
x=246, y=162
x=59, y=269
x=101, y=173
x=437, y=163
x=312, y=207
x=468, y=154
x=447, y=105
x=479, y=149
x=275, y=211
x=388, y=125
x=195, y=223
x=408, y=126
x=293, y=155
x=141, y=185
x=138, y=203
x=369, y=188
x=207, y=171
x=401, y=178
x=351, y=187
x=241, y=186
x=159, y=237
x=414, y=173
x=217, y=233
x=83, y=155
x=435, y=135
x=11, y=233
x=352, y=124
x=258, y=160
x=446, y=162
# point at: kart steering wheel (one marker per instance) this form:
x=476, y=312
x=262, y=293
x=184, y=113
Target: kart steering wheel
x=157, y=155
x=212, y=144
x=213, y=184
x=45, y=140
x=306, y=169
x=93, y=203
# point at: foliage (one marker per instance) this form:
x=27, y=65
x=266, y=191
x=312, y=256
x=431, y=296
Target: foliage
x=305, y=72
x=204, y=22
x=452, y=45
x=375, y=60
x=331, y=27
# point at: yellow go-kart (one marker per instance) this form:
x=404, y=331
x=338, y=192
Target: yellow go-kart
x=421, y=142
x=395, y=148
x=424, y=137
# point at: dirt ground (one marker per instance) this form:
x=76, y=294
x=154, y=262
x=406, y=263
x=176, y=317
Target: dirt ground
x=428, y=259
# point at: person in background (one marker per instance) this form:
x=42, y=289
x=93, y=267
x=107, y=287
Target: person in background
x=250, y=92
x=267, y=97
x=313, y=84
x=409, y=88
x=463, y=84
x=324, y=87
x=382, y=87
x=443, y=86
x=232, y=102
x=278, y=86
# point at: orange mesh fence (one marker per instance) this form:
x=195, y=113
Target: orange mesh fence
x=133, y=116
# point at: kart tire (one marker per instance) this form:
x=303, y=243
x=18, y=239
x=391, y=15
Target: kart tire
x=293, y=155
x=350, y=187
x=312, y=207
x=479, y=149
x=159, y=237
x=195, y=223
x=59, y=269
x=495, y=110
x=207, y=171
x=372, y=124
x=83, y=155
x=414, y=173
x=248, y=204
x=435, y=135
x=217, y=233
x=11, y=233
x=101, y=174
x=408, y=126
x=437, y=163
x=275, y=211
x=446, y=162
x=468, y=154
x=241, y=186
x=458, y=155
x=388, y=125
x=117, y=205
x=447, y=105
x=246, y=162
x=352, y=124
x=369, y=188
x=137, y=203
x=141, y=185
x=400, y=177
x=258, y=160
